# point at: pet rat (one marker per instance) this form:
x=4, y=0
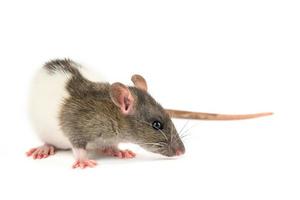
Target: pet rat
x=70, y=110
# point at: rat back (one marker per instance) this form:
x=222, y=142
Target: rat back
x=48, y=93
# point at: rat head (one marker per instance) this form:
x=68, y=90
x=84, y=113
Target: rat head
x=147, y=123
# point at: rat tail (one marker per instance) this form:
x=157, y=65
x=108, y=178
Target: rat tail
x=212, y=116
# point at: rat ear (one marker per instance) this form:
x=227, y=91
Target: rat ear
x=122, y=97
x=139, y=82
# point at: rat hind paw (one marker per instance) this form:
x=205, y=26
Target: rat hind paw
x=41, y=152
x=118, y=153
x=84, y=164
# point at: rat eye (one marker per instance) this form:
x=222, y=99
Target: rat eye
x=157, y=125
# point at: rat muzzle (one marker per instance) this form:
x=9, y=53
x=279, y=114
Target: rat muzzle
x=176, y=149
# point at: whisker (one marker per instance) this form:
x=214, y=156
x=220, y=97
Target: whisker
x=186, y=123
x=184, y=136
x=163, y=143
x=163, y=134
x=156, y=149
x=188, y=129
x=150, y=143
x=171, y=137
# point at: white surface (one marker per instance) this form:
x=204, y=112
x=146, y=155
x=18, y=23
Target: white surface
x=217, y=56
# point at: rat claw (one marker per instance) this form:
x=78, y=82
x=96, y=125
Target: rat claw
x=119, y=154
x=132, y=153
x=113, y=151
x=84, y=164
x=41, y=152
x=110, y=152
x=35, y=155
x=126, y=154
x=52, y=150
x=93, y=162
x=75, y=165
x=31, y=151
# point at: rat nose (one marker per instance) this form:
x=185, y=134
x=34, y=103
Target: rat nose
x=179, y=152
x=177, y=148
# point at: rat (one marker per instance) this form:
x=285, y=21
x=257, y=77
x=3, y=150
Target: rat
x=70, y=109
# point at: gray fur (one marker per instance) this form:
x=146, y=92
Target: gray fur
x=89, y=114
x=65, y=65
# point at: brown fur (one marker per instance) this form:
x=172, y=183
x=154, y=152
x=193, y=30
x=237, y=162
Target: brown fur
x=90, y=115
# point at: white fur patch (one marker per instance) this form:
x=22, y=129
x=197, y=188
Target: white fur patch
x=47, y=95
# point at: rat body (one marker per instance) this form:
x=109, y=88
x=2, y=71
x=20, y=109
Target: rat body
x=70, y=111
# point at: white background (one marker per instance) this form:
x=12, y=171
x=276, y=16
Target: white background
x=211, y=56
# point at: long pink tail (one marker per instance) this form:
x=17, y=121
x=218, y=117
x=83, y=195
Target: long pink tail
x=212, y=116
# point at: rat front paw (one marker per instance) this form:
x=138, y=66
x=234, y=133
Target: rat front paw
x=119, y=153
x=41, y=152
x=84, y=164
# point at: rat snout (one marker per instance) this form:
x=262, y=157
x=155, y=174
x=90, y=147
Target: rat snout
x=173, y=149
x=179, y=152
x=177, y=149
